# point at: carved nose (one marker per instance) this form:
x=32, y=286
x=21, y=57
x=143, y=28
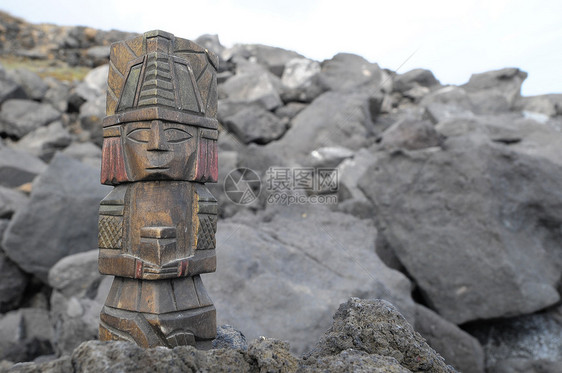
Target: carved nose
x=156, y=140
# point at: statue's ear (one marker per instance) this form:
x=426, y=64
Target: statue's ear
x=113, y=169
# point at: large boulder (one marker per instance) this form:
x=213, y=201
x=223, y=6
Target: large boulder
x=474, y=223
x=414, y=78
x=19, y=117
x=8, y=88
x=45, y=141
x=411, y=135
x=271, y=57
x=504, y=82
x=256, y=86
x=61, y=218
x=376, y=327
x=33, y=86
x=25, y=334
x=333, y=119
x=282, y=272
x=18, y=167
x=348, y=72
x=255, y=124
x=300, y=80
x=495, y=91
x=79, y=292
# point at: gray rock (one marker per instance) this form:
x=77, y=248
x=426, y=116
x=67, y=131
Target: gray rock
x=300, y=80
x=10, y=201
x=507, y=128
x=18, y=167
x=247, y=88
x=75, y=318
x=377, y=327
x=354, y=361
x=45, y=141
x=98, y=53
x=74, y=274
x=19, y=117
x=273, y=58
x=228, y=162
x=85, y=152
x=459, y=348
x=549, y=105
x=417, y=93
x=451, y=95
x=530, y=341
x=12, y=280
x=351, y=199
x=347, y=72
x=489, y=102
x=25, y=334
x=61, y=218
x=333, y=119
x=521, y=365
x=58, y=94
x=8, y=88
x=438, y=112
x=504, y=82
x=81, y=93
x=60, y=365
x=91, y=114
x=411, y=135
x=283, y=277
x=211, y=42
x=462, y=220
x=97, y=78
x=254, y=124
x=228, y=337
x=33, y=86
x=95, y=356
x=228, y=108
x=290, y=110
x=79, y=292
x=330, y=156
x=414, y=78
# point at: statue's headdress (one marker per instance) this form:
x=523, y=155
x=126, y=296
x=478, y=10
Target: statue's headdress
x=157, y=76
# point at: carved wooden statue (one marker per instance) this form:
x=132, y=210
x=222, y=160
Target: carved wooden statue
x=157, y=227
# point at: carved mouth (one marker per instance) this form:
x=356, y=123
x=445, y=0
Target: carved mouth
x=157, y=168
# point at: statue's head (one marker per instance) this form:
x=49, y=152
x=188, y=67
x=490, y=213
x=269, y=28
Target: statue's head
x=161, y=107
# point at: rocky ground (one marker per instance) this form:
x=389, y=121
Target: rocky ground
x=449, y=207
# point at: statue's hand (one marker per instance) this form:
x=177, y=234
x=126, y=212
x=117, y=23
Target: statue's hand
x=176, y=268
x=152, y=271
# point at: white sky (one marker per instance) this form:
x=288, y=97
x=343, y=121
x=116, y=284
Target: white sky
x=451, y=38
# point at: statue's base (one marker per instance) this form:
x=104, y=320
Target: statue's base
x=180, y=322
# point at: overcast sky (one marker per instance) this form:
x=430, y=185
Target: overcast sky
x=451, y=38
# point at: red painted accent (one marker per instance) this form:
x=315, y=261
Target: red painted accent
x=138, y=271
x=112, y=162
x=183, y=268
x=207, y=161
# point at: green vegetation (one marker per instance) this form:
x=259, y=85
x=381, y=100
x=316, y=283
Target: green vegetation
x=53, y=68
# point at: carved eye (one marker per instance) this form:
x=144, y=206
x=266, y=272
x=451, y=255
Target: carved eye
x=175, y=135
x=141, y=135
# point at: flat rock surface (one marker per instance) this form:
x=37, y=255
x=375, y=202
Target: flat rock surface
x=61, y=218
x=298, y=266
x=462, y=219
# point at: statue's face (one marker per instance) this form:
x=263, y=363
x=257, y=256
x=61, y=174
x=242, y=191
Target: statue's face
x=159, y=150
